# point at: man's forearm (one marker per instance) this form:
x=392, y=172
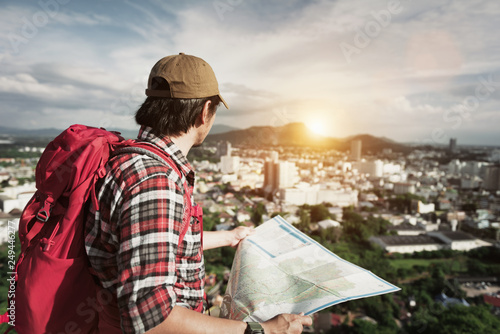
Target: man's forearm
x=184, y=321
x=212, y=239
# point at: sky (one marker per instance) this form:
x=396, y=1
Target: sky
x=413, y=71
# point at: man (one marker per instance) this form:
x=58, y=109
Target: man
x=133, y=239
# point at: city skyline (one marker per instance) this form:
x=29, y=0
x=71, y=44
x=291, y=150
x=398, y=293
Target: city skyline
x=419, y=72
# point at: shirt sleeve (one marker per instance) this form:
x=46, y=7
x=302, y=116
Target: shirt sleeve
x=150, y=223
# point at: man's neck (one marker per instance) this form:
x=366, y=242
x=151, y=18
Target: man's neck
x=184, y=142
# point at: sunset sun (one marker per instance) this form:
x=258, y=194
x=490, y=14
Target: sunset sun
x=316, y=126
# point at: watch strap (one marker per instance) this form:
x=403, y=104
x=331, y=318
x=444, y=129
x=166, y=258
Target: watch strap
x=254, y=328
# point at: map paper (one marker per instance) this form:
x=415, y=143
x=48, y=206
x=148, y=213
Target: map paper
x=279, y=269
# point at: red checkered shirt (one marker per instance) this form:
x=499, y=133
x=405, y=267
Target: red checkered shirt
x=132, y=240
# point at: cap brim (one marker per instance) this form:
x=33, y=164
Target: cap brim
x=223, y=101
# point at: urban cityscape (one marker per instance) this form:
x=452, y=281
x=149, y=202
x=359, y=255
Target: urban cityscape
x=370, y=126
x=425, y=218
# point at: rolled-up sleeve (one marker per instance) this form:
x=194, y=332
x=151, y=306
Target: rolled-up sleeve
x=150, y=224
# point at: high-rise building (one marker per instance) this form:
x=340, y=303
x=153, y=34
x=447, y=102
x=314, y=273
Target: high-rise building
x=453, y=145
x=356, y=150
x=274, y=156
x=223, y=149
x=270, y=175
x=492, y=178
x=495, y=155
x=279, y=175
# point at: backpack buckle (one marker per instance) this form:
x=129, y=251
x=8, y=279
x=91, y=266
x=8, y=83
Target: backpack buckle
x=44, y=213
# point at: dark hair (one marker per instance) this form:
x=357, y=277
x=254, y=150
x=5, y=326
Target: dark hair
x=171, y=116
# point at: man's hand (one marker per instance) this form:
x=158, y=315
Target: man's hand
x=286, y=324
x=212, y=239
x=238, y=234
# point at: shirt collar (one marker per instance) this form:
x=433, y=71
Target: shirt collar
x=166, y=144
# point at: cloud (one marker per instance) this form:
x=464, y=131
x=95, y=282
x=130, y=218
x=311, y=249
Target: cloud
x=242, y=90
x=90, y=19
x=93, y=58
x=73, y=74
x=402, y=105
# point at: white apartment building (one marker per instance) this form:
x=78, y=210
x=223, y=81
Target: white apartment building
x=5, y=230
x=392, y=168
x=472, y=168
x=314, y=194
x=404, y=188
x=425, y=208
x=229, y=164
x=373, y=168
x=16, y=197
x=457, y=240
x=301, y=194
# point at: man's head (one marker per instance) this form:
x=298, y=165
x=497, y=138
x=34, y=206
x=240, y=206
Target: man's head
x=179, y=88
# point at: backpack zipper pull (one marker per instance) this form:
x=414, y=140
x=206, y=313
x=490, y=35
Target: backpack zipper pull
x=47, y=243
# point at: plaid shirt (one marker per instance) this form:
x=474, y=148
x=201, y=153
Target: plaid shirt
x=132, y=240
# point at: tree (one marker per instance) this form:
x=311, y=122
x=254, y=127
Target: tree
x=363, y=327
x=462, y=319
x=305, y=219
x=210, y=220
x=331, y=234
x=355, y=228
x=279, y=213
x=258, y=211
x=319, y=212
x=402, y=203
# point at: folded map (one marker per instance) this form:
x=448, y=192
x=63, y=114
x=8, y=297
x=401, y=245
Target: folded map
x=279, y=269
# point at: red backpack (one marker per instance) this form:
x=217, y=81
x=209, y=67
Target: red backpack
x=54, y=284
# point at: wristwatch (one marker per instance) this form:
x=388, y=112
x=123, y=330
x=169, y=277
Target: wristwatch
x=254, y=328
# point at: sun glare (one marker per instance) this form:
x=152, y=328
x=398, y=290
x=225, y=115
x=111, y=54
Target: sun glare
x=316, y=126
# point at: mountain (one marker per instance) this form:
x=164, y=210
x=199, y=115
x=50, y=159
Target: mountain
x=6, y=131
x=297, y=134
x=221, y=128
x=292, y=134
x=372, y=143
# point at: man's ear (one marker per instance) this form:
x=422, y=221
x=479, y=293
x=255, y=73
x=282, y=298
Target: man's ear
x=205, y=113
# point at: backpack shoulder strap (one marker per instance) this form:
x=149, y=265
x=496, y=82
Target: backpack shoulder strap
x=191, y=211
x=137, y=147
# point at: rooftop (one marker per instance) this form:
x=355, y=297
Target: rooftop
x=457, y=235
x=406, y=240
x=406, y=227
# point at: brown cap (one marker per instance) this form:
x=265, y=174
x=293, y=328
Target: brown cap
x=189, y=77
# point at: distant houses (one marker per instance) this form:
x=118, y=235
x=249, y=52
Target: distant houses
x=408, y=243
x=431, y=241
